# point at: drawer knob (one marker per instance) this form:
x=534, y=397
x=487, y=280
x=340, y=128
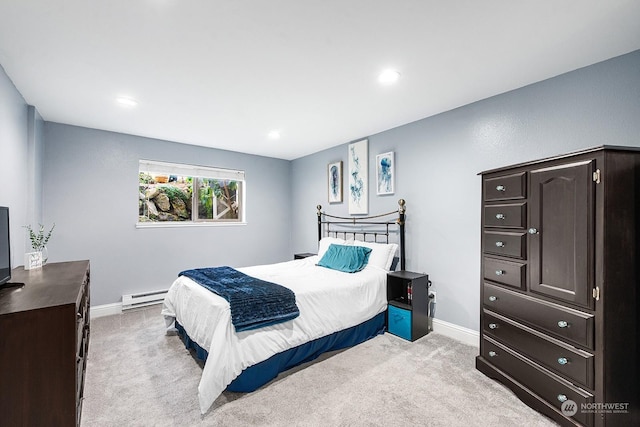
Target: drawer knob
x=533, y=230
x=562, y=360
x=500, y=216
x=492, y=298
x=492, y=354
x=499, y=272
x=500, y=244
x=501, y=188
x=493, y=325
x=562, y=324
x=562, y=398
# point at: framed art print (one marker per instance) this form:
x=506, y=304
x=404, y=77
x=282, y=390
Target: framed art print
x=334, y=182
x=385, y=173
x=358, y=177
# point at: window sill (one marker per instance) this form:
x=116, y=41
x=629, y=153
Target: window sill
x=187, y=224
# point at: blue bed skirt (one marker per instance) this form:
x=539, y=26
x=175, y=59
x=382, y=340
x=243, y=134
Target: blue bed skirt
x=258, y=375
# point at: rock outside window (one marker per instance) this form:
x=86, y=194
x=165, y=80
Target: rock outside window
x=171, y=193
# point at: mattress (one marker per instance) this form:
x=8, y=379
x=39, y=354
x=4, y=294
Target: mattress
x=328, y=300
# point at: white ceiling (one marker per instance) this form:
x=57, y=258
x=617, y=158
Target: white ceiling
x=224, y=73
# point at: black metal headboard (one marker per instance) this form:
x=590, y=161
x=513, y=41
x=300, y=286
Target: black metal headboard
x=374, y=226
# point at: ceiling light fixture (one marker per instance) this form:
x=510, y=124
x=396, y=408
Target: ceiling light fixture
x=274, y=134
x=126, y=101
x=388, y=77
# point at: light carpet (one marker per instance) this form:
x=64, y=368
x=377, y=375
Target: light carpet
x=139, y=376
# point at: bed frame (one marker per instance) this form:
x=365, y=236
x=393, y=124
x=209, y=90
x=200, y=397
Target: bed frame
x=375, y=227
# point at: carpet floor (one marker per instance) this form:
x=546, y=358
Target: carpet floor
x=139, y=376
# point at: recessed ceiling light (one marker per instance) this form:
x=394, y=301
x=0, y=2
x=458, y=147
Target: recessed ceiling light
x=126, y=101
x=388, y=77
x=274, y=134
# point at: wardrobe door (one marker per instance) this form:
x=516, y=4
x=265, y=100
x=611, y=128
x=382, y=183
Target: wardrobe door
x=561, y=232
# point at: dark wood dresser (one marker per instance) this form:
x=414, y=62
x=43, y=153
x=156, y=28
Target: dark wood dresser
x=560, y=285
x=44, y=338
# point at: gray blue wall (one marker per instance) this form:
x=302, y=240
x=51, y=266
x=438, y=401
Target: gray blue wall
x=91, y=193
x=88, y=184
x=21, y=146
x=438, y=158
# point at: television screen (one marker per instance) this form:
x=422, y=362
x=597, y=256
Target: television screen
x=5, y=253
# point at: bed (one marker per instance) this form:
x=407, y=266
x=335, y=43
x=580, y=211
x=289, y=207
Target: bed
x=336, y=309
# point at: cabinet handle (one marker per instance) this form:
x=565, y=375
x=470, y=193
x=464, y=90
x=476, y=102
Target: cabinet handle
x=562, y=360
x=501, y=188
x=492, y=298
x=499, y=272
x=533, y=230
x=562, y=324
x=500, y=244
x=562, y=398
x=492, y=326
x=492, y=354
x=500, y=216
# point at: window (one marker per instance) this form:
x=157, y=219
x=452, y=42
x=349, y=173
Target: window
x=181, y=194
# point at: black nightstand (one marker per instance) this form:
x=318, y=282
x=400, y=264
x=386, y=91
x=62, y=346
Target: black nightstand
x=408, y=298
x=303, y=255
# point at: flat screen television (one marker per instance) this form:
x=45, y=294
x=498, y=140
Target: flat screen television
x=5, y=246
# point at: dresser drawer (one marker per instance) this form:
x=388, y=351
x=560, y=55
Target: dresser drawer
x=82, y=313
x=573, y=364
x=509, y=273
x=505, y=243
x=80, y=370
x=400, y=322
x=506, y=216
x=554, y=319
x=540, y=381
x=505, y=187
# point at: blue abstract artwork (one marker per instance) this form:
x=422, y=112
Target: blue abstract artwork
x=334, y=183
x=385, y=166
x=358, y=177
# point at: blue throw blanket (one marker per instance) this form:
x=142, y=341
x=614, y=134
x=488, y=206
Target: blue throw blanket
x=254, y=303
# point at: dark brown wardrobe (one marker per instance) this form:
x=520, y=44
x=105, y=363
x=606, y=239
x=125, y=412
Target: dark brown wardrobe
x=560, y=284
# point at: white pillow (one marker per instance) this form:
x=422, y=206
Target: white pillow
x=381, y=253
x=324, y=243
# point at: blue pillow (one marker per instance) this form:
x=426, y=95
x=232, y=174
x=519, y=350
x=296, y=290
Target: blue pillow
x=348, y=259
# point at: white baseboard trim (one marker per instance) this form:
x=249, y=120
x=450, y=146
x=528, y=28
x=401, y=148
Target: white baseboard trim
x=451, y=330
x=105, y=310
x=459, y=333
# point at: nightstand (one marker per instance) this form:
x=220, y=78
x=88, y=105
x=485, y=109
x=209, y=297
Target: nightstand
x=303, y=255
x=408, y=298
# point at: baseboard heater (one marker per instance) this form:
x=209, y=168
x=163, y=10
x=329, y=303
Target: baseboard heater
x=142, y=299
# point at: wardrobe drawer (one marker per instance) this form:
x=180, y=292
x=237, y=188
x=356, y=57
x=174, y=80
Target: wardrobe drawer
x=506, y=272
x=505, y=243
x=505, y=187
x=540, y=381
x=506, y=216
x=574, y=364
x=563, y=322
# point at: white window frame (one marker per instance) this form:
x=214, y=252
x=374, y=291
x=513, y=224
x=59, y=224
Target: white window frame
x=194, y=171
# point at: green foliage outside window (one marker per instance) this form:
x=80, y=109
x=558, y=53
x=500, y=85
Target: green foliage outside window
x=173, y=198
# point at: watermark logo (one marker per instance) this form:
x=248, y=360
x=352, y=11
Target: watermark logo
x=569, y=408
x=605, y=408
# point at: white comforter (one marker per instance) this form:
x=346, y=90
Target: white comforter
x=328, y=300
